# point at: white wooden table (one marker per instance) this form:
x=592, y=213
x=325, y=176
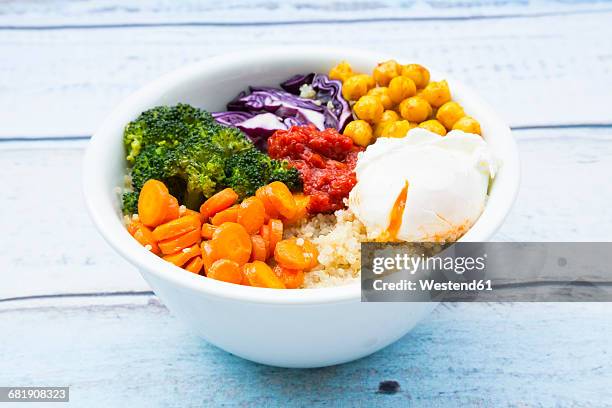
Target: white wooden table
x=74, y=313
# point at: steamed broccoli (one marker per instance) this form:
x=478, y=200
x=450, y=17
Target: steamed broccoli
x=130, y=202
x=196, y=157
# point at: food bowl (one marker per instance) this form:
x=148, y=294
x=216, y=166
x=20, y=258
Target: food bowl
x=288, y=328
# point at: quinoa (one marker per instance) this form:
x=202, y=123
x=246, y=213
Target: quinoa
x=338, y=238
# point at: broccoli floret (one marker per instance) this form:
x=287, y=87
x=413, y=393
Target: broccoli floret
x=164, y=126
x=130, y=203
x=251, y=169
x=196, y=157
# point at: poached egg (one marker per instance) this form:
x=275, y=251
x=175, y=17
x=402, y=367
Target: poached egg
x=423, y=187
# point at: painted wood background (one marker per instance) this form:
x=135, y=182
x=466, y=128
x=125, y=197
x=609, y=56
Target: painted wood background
x=73, y=313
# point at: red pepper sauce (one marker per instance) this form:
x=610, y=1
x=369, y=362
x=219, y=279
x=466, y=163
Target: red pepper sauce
x=325, y=159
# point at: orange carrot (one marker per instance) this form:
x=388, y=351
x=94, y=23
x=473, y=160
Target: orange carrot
x=290, y=255
x=260, y=248
x=227, y=215
x=251, y=214
x=218, y=202
x=276, y=233
x=173, y=245
x=153, y=203
x=311, y=253
x=226, y=271
x=263, y=194
x=209, y=255
x=195, y=265
x=232, y=242
x=172, y=211
x=281, y=198
x=301, y=203
x=144, y=236
x=292, y=278
x=264, y=231
x=181, y=257
x=196, y=213
x=176, y=227
x=261, y=275
x=208, y=230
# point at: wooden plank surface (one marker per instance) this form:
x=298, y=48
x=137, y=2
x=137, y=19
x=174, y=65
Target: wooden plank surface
x=535, y=71
x=486, y=355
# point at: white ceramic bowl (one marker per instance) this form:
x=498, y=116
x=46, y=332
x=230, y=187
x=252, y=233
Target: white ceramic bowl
x=289, y=328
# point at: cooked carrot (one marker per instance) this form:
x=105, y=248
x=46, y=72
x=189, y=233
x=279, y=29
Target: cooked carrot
x=264, y=231
x=226, y=271
x=260, y=248
x=144, y=236
x=276, y=233
x=191, y=212
x=153, y=203
x=218, y=202
x=251, y=214
x=208, y=230
x=227, y=215
x=292, y=278
x=261, y=275
x=301, y=205
x=181, y=257
x=172, y=211
x=209, y=254
x=290, y=255
x=310, y=252
x=282, y=199
x=263, y=193
x=195, y=265
x=232, y=242
x=176, y=227
x=173, y=245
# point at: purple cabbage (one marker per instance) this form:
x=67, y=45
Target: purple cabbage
x=265, y=109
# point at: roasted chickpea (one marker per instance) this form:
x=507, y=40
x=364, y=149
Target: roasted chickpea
x=433, y=126
x=382, y=93
x=360, y=131
x=389, y=115
x=397, y=129
x=341, y=72
x=415, y=109
x=418, y=73
x=401, y=88
x=357, y=86
x=386, y=71
x=436, y=93
x=468, y=124
x=369, y=108
x=449, y=113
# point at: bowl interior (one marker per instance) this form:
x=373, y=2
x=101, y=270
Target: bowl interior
x=210, y=84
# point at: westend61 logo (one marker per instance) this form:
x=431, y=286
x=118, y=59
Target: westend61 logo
x=412, y=263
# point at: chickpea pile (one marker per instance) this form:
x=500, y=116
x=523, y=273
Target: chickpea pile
x=397, y=98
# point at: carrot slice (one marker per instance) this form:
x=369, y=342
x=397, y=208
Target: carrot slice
x=172, y=211
x=195, y=265
x=276, y=233
x=181, y=257
x=301, y=205
x=292, y=278
x=310, y=252
x=144, y=236
x=232, y=242
x=282, y=199
x=176, y=227
x=227, y=215
x=218, y=202
x=260, y=248
x=191, y=212
x=261, y=275
x=263, y=194
x=251, y=214
x=173, y=245
x=265, y=234
x=226, y=271
x=208, y=230
x=153, y=203
x=209, y=255
x=290, y=255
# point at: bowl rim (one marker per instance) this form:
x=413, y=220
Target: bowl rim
x=100, y=207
